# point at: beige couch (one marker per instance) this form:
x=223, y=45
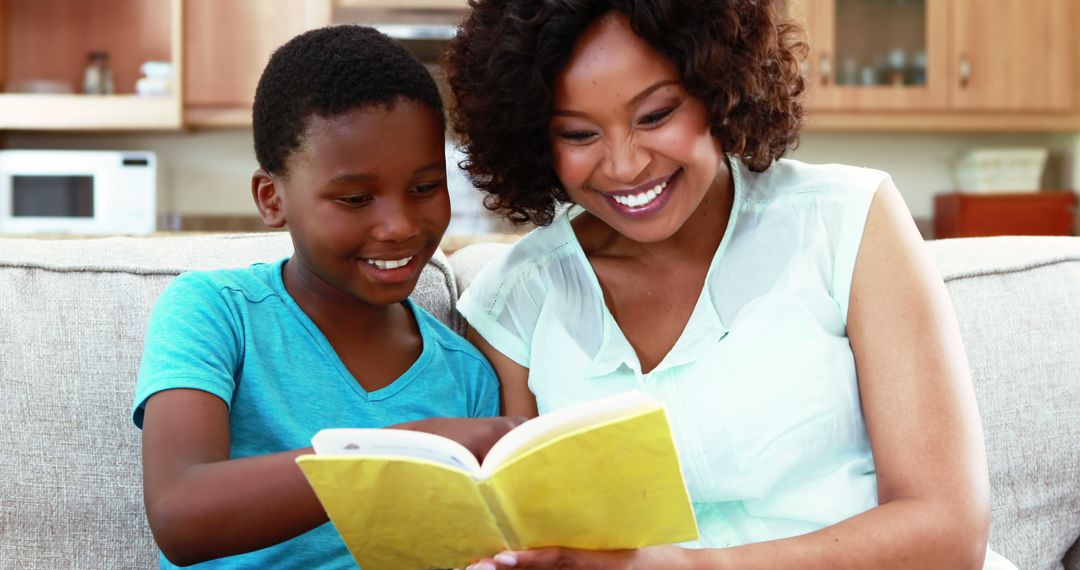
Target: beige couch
x=73, y=313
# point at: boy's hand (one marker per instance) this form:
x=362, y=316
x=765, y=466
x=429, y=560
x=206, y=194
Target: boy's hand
x=476, y=434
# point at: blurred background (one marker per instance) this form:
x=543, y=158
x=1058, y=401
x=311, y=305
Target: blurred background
x=971, y=105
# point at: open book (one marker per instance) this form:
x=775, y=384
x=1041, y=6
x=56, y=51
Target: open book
x=600, y=475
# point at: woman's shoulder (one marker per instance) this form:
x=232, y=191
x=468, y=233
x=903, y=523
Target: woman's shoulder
x=537, y=252
x=789, y=180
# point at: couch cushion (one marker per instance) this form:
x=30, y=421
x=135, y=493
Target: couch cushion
x=1018, y=303
x=72, y=318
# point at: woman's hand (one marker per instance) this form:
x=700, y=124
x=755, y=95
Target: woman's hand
x=666, y=556
x=476, y=434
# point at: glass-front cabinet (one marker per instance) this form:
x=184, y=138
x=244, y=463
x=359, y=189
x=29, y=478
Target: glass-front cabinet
x=934, y=55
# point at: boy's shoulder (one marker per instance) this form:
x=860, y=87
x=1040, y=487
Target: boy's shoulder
x=444, y=338
x=255, y=282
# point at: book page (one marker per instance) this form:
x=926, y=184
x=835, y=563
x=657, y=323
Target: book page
x=549, y=426
x=395, y=443
x=396, y=513
x=610, y=485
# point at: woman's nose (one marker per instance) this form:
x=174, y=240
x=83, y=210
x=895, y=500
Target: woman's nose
x=625, y=160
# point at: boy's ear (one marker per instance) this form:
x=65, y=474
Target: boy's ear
x=267, y=194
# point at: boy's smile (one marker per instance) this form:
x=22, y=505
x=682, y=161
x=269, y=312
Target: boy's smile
x=365, y=200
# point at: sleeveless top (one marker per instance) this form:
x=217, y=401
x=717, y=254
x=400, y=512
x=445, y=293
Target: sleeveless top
x=760, y=387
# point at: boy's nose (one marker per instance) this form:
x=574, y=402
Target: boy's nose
x=397, y=222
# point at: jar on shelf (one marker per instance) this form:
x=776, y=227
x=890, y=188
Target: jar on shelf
x=97, y=78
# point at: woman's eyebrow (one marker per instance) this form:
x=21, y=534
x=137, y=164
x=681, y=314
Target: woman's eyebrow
x=632, y=102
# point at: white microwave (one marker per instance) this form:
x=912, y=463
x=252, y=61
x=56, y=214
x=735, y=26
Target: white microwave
x=78, y=192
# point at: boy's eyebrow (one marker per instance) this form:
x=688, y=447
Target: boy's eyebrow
x=633, y=100
x=361, y=177
x=438, y=165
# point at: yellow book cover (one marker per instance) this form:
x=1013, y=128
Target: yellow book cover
x=601, y=475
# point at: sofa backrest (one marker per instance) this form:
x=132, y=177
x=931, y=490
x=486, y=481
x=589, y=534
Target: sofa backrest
x=72, y=318
x=1018, y=303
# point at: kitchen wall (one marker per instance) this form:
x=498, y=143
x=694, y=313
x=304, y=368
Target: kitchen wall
x=208, y=172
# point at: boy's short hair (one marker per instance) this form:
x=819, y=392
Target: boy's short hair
x=327, y=72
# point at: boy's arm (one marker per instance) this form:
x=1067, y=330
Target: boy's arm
x=201, y=505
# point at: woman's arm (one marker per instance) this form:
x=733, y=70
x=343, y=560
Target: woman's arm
x=921, y=415
x=922, y=420
x=201, y=505
x=517, y=399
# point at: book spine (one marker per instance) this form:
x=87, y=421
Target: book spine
x=491, y=497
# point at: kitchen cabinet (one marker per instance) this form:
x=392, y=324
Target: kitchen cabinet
x=226, y=45
x=1013, y=56
x=940, y=64
x=45, y=44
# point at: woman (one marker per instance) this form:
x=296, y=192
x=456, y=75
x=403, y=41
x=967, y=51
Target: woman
x=786, y=314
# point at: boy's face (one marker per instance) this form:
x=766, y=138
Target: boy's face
x=366, y=201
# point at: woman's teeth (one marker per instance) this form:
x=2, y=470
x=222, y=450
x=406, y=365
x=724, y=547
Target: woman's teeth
x=389, y=263
x=638, y=200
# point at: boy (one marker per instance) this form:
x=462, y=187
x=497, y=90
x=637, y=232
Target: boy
x=243, y=366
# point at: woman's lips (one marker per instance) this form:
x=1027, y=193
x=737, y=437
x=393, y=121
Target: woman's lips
x=643, y=203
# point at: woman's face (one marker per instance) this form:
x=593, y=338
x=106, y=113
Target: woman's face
x=629, y=144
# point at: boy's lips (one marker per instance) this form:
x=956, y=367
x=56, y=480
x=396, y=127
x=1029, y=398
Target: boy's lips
x=393, y=268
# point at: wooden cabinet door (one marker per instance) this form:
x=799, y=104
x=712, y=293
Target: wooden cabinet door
x=228, y=42
x=854, y=42
x=1012, y=55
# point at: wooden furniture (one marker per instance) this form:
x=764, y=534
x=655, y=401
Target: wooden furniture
x=226, y=45
x=941, y=64
x=1005, y=68
x=961, y=214
x=50, y=39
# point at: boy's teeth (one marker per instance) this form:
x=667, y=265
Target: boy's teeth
x=638, y=200
x=389, y=263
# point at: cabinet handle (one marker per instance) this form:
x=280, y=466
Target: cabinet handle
x=965, y=71
x=826, y=69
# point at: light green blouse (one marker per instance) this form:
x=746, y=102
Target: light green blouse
x=760, y=387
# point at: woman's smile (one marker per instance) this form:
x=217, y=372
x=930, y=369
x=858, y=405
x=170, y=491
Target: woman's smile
x=644, y=200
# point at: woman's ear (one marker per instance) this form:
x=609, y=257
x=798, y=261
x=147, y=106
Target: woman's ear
x=267, y=193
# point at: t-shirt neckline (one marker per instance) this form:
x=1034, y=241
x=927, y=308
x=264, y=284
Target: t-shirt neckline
x=399, y=383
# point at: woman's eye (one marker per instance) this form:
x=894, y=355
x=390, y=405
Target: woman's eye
x=657, y=117
x=577, y=136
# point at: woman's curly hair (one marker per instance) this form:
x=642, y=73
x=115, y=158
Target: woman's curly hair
x=739, y=57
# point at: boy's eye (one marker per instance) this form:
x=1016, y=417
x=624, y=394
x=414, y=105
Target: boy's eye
x=427, y=187
x=358, y=200
x=655, y=118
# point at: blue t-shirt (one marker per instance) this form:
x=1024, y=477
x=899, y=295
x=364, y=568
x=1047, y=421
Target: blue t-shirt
x=239, y=335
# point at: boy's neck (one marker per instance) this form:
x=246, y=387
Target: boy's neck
x=376, y=343
x=334, y=310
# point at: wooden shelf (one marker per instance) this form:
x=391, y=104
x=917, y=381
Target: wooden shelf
x=217, y=117
x=946, y=121
x=49, y=39
x=86, y=112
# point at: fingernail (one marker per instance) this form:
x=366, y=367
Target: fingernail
x=506, y=559
x=482, y=566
